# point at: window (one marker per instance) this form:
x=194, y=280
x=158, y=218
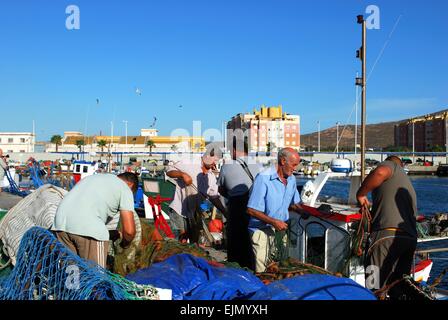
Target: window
x=315, y=244
x=293, y=143
x=287, y=143
x=22, y=140
x=10, y=151
x=78, y=168
x=293, y=135
x=10, y=140
x=287, y=135
x=85, y=169
x=22, y=151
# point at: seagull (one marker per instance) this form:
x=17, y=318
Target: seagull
x=138, y=91
x=180, y=106
x=153, y=123
x=97, y=101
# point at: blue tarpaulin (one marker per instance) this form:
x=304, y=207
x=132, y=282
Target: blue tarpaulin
x=314, y=287
x=192, y=278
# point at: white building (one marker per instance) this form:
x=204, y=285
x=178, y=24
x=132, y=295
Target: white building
x=131, y=144
x=17, y=142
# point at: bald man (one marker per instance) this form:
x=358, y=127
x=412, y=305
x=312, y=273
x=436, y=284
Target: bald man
x=393, y=237
x=274, y=194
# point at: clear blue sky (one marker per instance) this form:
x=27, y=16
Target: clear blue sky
x=215, y=58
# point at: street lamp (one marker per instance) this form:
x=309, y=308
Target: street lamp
x=413, y=141
x=126, y=134
x=337, y=138
x=318, y=136
x=361, y=54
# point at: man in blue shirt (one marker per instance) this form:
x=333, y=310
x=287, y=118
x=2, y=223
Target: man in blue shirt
x=273, y=195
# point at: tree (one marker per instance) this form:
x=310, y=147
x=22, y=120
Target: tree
x=79, y=144
x=150, y=144
x=270, y=146
x=102, y=144
x=437, y=148
x=57, y=140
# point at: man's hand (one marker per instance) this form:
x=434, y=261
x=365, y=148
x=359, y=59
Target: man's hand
x=363, y=201
x=279, y=225
x=187, y=179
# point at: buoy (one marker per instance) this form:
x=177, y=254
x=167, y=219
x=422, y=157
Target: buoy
x=215, y=225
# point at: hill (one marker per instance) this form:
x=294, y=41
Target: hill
x=378, y=136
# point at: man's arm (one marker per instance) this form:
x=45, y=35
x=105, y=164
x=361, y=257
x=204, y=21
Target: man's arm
x=128, y=228
x=277, y=224
x=373, y=181
x=176, y=174
x=300, y=210
x=216, y=201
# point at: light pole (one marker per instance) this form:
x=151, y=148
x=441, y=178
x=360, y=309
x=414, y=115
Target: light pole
x=126, y=134
x=318, y=136
x=413, y=141
x=361, y=54
x=356, y=119
x=111, y=141
x=337, y=138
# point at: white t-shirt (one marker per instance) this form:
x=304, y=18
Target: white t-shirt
x=186, y=198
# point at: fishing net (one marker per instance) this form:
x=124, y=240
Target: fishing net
x=152, y=248
x=289, y=268
x=47, y=270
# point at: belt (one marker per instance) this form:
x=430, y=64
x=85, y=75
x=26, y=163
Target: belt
x=392, y=229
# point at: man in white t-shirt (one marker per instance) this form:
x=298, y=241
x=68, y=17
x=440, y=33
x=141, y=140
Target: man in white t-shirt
x=195, y=182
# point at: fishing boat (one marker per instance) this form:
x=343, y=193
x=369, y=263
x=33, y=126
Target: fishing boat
x=326, y=238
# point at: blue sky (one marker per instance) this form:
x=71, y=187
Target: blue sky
x=216, y=59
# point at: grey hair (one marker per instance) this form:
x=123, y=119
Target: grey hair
x=285, y=153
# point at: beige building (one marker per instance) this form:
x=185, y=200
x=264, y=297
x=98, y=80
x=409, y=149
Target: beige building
x=131, y=144
x=267, y=130
x=17, y=142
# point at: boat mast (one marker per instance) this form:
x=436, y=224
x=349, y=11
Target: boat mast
x=362, y=82
x=356, y=121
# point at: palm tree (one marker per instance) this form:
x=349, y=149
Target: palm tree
x=79, y=144
x=102, y=144
x=57, y=140
x=150, y=144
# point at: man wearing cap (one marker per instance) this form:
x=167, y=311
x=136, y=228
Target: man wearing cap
x=195, y=182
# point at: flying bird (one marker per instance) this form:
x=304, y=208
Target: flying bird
x=180, y=106
x=138, y=91
x=153, y=123
x=97, y=101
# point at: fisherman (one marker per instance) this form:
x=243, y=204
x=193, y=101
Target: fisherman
x=3, y=168
x=81, y=218
x=195, y=182
x=393, y=236
x=273, y=195
x=234, y=182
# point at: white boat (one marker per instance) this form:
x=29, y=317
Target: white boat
x=82, y=169
x=325, y=238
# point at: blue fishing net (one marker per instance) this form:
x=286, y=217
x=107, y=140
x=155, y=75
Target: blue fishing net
x=47, y=270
